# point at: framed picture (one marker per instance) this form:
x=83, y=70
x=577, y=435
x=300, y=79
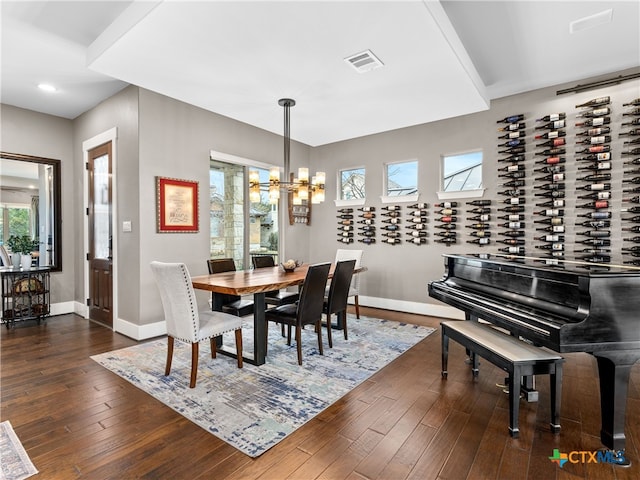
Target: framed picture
x=177, y=205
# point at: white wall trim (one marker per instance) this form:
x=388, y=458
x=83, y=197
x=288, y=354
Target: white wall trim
x=62, y=308
x=430, y=309
x=140, y=332
x=81, y=309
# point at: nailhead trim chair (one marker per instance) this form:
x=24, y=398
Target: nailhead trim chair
x=184, y=322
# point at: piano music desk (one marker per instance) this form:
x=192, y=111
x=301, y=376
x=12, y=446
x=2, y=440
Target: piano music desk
x=516, y=357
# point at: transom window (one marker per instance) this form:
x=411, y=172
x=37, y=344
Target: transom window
x=462, y=172
x=352, y=183
x=401, y=179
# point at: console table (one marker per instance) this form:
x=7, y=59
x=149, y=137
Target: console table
x=25, y=294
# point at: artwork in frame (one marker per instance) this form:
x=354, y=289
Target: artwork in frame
x=177, y=205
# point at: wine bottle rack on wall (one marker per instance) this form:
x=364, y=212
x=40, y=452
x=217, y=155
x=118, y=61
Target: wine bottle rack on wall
x=593, y=154
x=549, y=185
x=416, y=226
x=390, y=227
x=512, y=150
x=367, y=225
x=480, y=216
x=631, y=181
x=345, y=225
x=445, y=223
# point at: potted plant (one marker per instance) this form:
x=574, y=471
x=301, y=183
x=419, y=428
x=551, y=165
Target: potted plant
x=22, y=245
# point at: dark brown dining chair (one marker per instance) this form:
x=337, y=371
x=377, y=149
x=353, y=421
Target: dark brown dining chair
x=233, y=304
x=308, y=309
x=338, y=298
x=274, y=297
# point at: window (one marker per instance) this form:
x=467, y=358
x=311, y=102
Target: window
x=462, y=172
x=352, y=184
x=401, y=179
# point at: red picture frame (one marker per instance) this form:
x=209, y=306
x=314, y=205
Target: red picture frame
x=177, y=205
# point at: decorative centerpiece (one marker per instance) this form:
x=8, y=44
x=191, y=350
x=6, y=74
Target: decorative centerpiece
x=290, y=265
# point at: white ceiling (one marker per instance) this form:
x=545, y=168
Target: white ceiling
x=442, y=59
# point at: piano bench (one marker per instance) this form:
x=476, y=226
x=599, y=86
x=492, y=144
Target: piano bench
x=516, y=357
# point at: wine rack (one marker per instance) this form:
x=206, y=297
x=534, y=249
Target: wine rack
x=391, y=225
x=593, y=205
x=446, y=223
x=550, y=183
x=367, y=225
x=631, y=181
x=480, y=215
x=416, y=227
x=512, y=144
x=345, y=225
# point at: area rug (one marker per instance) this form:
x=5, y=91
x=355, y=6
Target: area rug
x=14, y=461
x=254, y=408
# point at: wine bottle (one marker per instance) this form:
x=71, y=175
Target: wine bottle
x=633, y=151
x=554, y=142
x=480, y=241
x=635, y=248
x=551, y=134
x=553, y=212
x=515, y=201
x=345, y=222
x=596, y=242
x=422, y=206
x=367, y=240
x=515, y=217
x=633, y=112
x=595, y=186
x=511, y=241
x=593, y=132
x=518, y=167
x=595, y=258
x=391, y=220
x=595, y=223
x=632, y=121
x=595, y=233
x=511, y=119
x=485, y=217
x=595, y=140
x=550, y=169
x=633, y=102
x=345, y=234
x=596, y=157
x=391, y=241
x=367, y=209
x=511, y=193
x=512, y=127
x=595, y=102
x=444, y=226
x=634, y=228
x=418, y=219
x=603, y=195
x=631, y=190
x=422, y=226
x=512, y=209
x=513, y=150
x=447, y=219
x=391, y=208
x=635, y=161
x=479, y=210
x=417, y=233
x=552, y=125
x=597, y=204
x=479, y=203
x=594, y=251
x=550, y=194
x=417, y=241
x=391, y=234
x=448, y=241
x=390, y=227
x=368, y=228
x=595, y=149
x=512, y=233
x=513, y=183
x=368, y=215
x=514, y=142
x=597, y=166
x=551, y=221
x=551, y=246
x=552, y=229
x=551, y=152
x=631, y=180
x=512, y=225
x=447, y=211
x=597, y=112
x=630, y=210
x=596, y=177
x=635, y=199
x=512, y=158
x=367, y=234
x=515, y=250
x=631, y=262
x=553, y=177
x=437, y=205
x=480, y=233
x=368, y=221
x=635, y=141
x=445, y=234
x=551, y=160
x=594, y=122
x=596, y=215
x=631, y=133
x=346, y=228
x=552, y=186
x=552, y=203
x=345, y=240
x=551, y=117
x=345, y=216
x=518, y=174
x=478, y=226
x=392, y=214
x=513, y=135
x=424, y=213
x=551, y=238
x=345, y=210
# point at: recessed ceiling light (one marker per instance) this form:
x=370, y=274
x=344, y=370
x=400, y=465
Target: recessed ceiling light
x=47, y=88
x=591, y=21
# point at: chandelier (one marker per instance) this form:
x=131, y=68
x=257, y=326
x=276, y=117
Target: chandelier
x=300, y=188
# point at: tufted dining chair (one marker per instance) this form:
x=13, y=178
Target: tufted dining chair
x=308, y=309
x=336, y=301
x=354, y=290
x=233, y=304
x=184, y=321
x=274, y=297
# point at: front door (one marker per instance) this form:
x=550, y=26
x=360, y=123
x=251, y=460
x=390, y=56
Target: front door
x=100, y=255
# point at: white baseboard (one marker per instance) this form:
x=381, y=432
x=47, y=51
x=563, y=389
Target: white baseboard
x=62, y=308
x=140, y=332
x=430, y=309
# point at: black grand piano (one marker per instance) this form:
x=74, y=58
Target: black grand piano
x=570, y=307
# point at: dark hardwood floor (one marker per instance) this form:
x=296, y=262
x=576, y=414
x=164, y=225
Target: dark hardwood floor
x=79, y=420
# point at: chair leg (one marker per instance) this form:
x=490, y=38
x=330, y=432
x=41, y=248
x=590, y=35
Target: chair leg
x=239, y=347
x=214, y=347
x=319, y=328
x=329, y=337
x=289, y=335
x=167, y=368
x=298, y=342
x=344, y=323
x=357, y=307
x=194, y=363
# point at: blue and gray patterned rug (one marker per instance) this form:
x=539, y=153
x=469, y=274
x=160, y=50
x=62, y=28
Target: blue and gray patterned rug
x=14, y=461
x=254, y=408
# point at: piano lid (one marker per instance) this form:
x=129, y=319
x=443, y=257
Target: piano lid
x=565, y=264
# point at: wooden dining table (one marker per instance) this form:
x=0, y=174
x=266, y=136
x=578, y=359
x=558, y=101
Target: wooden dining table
x=256, y=282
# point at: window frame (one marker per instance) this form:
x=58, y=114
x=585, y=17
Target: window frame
x=472, y=193
x=339, y=201
x=413, y=197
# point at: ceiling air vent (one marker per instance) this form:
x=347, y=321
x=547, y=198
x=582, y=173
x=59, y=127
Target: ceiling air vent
x=364, y=61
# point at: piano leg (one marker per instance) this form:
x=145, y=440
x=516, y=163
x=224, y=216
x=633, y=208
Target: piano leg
x=445, y=355
x=613, y=370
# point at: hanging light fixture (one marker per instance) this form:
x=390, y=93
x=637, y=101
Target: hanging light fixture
x=300, y=187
